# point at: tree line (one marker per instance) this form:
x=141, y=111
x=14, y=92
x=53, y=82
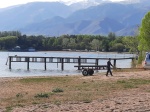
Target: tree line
x=113, y=43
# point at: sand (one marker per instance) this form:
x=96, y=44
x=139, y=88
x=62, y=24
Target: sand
x=134, y=100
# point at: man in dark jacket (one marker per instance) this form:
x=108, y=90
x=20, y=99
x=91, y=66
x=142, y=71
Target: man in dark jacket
x=109, y=67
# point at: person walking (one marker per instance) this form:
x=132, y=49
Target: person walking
x=109, y=67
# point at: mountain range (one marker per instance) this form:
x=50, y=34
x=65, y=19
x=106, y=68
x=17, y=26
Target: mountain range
x=90, y=17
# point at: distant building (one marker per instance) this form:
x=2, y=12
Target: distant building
x=17, y=48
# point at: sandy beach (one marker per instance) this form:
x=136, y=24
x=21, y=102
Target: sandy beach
x=136, y=99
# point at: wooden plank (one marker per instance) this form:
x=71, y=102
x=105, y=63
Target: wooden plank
x=91, y=66
x=94, y=67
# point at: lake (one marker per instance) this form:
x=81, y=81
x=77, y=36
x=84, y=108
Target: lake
x=37, y=69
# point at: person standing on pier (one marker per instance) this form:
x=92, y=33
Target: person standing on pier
x=109, y=67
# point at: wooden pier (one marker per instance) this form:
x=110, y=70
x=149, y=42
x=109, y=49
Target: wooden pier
x=78, y=61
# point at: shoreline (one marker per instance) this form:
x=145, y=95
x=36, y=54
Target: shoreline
x=79, y=73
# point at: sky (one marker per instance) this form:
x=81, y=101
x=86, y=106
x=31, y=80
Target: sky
x=6, y=3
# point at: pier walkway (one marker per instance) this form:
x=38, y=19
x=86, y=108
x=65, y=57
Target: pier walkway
x=78, y=61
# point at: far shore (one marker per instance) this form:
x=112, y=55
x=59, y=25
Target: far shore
x=103, y=52
x=92, y=52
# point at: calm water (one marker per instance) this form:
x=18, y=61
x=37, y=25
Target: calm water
x=37, y=69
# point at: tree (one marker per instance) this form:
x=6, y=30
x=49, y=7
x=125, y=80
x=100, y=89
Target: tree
x=111, y=36
x=79, y=38
x=105, y=44
x=8, y=42
x=96, y=44
x=118, y=47
x=65, y=42
x=131, y=43
x=10, y=33
x=72, y=43
x=45, y=43
x=144, y=35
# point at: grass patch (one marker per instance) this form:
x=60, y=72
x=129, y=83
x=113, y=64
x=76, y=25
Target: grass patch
x=9, y=109
x=132, y=83
x=43, y=95
x=127, y=69
x=57, y=90
x=49, y=79
x=57, y=102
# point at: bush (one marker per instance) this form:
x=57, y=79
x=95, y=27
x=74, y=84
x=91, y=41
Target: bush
x=42, y=95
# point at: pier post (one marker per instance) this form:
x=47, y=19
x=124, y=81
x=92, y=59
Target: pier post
x=114, y=62
x=132, y=60
x=62, y=64
x=96, y=62
x=9, y=62
x=45, y=63
x=28, y=60
x=79, y=63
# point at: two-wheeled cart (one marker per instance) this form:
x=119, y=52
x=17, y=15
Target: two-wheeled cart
x=89, y=69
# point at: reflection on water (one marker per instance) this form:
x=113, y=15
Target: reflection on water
x=37, y=69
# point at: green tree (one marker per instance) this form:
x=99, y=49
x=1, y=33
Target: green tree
x=8, y=42
x=105, y=44
x=144, y=37
x=72, y=43
x=65, y=42
x=118, y=47
x=79, y=38
x=111, y=36
x=144, y=34
x=131, y=43
x=96, y=44
x=45, y=44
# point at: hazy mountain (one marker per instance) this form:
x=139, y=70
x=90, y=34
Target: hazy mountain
x=54, y=18
x=79, y=27
x=131, y=30
x=112, y=10
x=23, y=15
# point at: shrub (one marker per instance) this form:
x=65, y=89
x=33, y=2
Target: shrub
x=57, y=90
x=42, y=95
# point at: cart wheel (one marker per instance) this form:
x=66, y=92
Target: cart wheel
x=85, y=72
x=91, y=71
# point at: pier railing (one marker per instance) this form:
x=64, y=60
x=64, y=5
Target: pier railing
x=76, y=60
